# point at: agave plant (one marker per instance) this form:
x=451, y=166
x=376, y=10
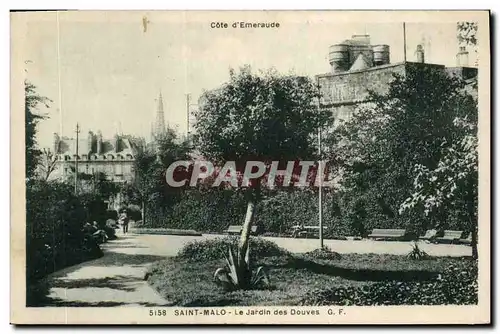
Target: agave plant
x=417, y=254
x=238, y=275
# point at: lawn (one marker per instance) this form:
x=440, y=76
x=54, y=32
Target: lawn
x=315, y=279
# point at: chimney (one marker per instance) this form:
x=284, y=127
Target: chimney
x=462, y=57
x=362, y=39
x=99, y=142
x=420, y=54
x=56, y=143
x=90, y=142
x=117, y=143
x=381, y=54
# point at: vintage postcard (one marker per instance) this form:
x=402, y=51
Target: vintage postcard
x=250, y=167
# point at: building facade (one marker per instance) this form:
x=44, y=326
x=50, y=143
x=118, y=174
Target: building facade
x=358, y=67
x=113, y=157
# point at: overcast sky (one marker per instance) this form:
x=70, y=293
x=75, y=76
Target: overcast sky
x=111, y=70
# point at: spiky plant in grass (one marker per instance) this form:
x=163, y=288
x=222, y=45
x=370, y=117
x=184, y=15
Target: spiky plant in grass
x=417, y=254
x=238, y=275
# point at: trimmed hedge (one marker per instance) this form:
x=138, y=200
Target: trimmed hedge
x=217, y=248
x=323, y=254
x=213, y=210
x=164, y=231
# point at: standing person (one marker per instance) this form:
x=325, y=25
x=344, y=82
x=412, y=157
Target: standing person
x=124, y=218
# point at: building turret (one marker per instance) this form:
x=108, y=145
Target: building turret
x=339, y=57
x=160, y=119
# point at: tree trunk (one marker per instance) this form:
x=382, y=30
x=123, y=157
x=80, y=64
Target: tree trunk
x=246, y=230
x=143, y=212
x=472, y=213
x=474, y=243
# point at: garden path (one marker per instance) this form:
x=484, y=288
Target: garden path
x=116, y=279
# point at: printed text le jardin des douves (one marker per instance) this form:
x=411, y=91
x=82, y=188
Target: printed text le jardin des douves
x=247, y=312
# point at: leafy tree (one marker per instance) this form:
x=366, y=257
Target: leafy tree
x=467, y=36
x=102, y=186
x=32, y=117
x=466, y=33
x=258, y=118
x=412, y=124
x=47, y=164
x=148, y=187
x=454, y=181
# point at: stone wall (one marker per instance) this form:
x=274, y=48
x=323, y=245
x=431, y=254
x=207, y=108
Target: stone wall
x=343, y=92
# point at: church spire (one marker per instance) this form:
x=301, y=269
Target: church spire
x=160, y=118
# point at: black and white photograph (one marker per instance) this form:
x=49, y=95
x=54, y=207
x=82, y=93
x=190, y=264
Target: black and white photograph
x=250, y=167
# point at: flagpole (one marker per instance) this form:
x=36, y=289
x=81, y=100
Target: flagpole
x=404, y=40
x=59, y=78
x=76, y=159
x=320, y=185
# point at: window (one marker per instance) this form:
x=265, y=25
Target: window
x=118, y=169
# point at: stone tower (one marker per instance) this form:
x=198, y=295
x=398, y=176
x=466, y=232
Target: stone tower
x=159, y=126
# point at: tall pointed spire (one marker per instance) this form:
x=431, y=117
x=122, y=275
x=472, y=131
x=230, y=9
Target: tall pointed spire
x=160, y=118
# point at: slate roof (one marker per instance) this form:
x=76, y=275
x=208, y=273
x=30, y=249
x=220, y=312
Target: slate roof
x=67, y=147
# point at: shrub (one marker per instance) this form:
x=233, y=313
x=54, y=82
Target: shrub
x=238, y=273
x=134, y=212
x=217, y=248
x=54, y=236
x=417, y=254
x=457, y=285
x=324, y=253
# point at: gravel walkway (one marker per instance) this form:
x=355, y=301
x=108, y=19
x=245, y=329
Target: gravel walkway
x=116, y=279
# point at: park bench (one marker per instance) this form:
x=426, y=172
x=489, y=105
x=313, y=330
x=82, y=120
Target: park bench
x=236, y=229
x=449, y=236
x=387, y=234
x=299, y=231
x=466, y=241
x=429, y=235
